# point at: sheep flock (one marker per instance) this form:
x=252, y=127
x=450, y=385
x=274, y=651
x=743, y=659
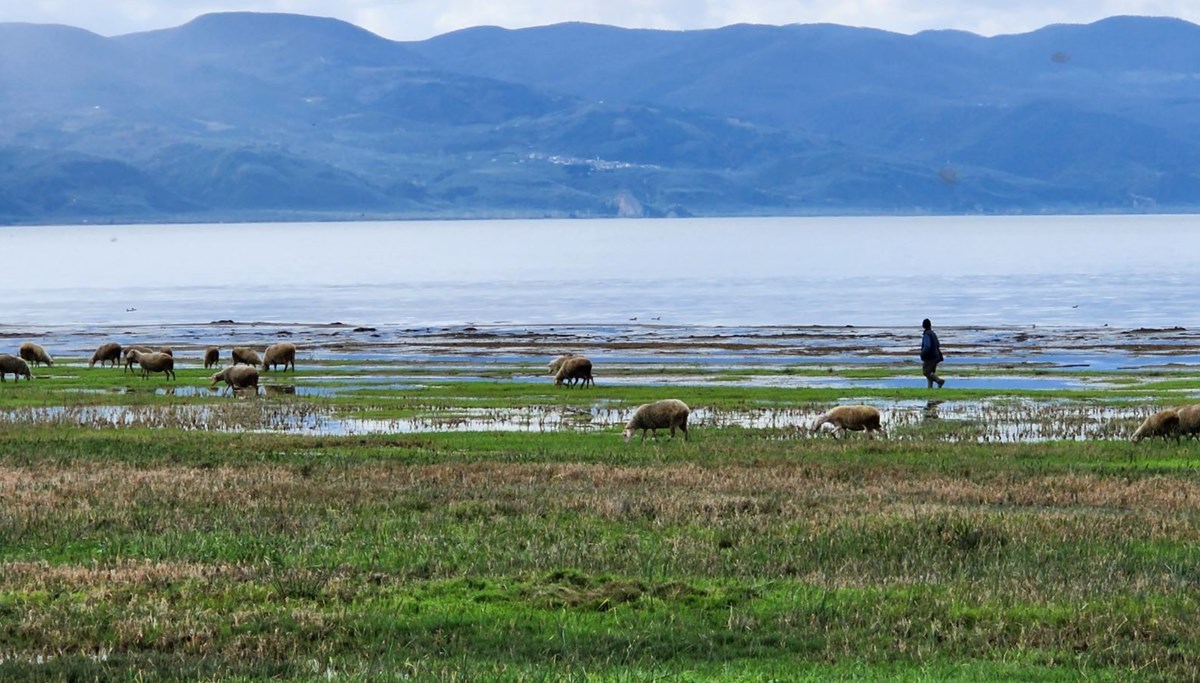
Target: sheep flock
x=568, y=370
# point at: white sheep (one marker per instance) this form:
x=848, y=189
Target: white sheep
x=107, y=353
x=244, y=354
x=575, y=368
x=131, y=354
x=668, y=413
x=1164, y=423
x=237, y=376
x=1189, y=420
x=17, y=366
x=283, y=352
x=35, y=354
x=156, y=362
x=854, y=418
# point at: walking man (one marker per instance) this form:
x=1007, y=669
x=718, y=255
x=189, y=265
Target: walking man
x=931, y=354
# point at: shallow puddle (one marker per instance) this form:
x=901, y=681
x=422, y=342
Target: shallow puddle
x=956, y=421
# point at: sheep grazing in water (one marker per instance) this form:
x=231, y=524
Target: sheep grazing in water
x=107, y=353
x=1164, y=423
x=575, y=368
x=282, y=353
x=212, y=357
x=156, y=362
x=853, y=418
x=237, y=377
x=666, y=414
x=17, y=366
x=244, y=354
x=1189, y=420
x=35, y=354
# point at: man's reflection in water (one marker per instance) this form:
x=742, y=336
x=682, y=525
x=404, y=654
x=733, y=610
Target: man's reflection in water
x=931, y=410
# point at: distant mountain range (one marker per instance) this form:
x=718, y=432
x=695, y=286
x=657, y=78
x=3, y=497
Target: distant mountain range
x=245, y=116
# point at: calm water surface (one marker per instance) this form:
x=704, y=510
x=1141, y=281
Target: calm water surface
x=1125, y=271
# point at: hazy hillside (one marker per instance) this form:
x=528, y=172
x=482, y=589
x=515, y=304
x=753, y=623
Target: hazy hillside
x=268, y=116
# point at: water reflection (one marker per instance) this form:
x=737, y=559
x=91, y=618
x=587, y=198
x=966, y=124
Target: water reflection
x=957, y=421
x=931, y=410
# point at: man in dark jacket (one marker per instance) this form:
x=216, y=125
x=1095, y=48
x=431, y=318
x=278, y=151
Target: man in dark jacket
x=931, y=354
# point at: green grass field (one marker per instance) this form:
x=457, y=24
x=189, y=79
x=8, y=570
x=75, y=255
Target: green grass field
x=159, y=545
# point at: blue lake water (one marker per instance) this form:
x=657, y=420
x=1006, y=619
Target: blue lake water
x=1081, y=271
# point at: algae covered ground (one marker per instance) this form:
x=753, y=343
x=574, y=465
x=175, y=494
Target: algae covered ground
x=433, y=517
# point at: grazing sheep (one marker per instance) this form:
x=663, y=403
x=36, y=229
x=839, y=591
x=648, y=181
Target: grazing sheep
x=107, y=353
x=555, y=364
x=156, y=362
x=1189, y=420
x=575, y=368
x=283, y=352
x=237, y=377
x=244, y=354
x=855, y=418
x=668, y=413
x=212, y=357
x=35, y=354
x=17, y=366
x=131, y=354
x=1164, y=423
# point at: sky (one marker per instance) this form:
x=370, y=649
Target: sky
x=420, y=19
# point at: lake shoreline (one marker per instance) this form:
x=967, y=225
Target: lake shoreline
x=1097, y=348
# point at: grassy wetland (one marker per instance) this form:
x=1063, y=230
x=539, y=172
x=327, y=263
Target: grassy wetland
x=426, y=505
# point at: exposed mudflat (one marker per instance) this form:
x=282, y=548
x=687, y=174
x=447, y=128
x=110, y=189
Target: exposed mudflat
x=1095, y=348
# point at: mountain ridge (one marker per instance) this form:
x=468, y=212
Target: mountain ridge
x=259, y=116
